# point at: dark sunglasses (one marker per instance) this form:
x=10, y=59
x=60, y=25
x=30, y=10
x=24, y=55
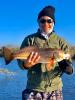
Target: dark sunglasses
x=42, y=21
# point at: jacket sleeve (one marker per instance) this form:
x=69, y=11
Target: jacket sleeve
x=24, y=44
x=65, y=65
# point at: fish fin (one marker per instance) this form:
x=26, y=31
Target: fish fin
x=7, y=54
x=50, y=64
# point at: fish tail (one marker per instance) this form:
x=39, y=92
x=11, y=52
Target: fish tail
x=7, y=54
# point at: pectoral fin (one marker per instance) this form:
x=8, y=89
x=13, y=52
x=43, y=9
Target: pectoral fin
x=50, y=64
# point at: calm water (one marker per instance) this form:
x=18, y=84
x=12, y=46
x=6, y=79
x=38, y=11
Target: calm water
x=13, y=81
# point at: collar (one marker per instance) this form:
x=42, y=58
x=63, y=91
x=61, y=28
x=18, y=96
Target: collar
x=45, y=35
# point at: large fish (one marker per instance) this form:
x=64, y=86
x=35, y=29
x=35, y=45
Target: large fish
x=46, y=54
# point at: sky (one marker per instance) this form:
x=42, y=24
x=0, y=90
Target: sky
x=18, y=18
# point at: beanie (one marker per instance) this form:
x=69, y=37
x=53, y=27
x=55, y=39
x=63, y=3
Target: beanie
x=47, y=11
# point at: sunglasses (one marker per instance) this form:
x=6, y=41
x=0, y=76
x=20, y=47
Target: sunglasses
x=42, y=21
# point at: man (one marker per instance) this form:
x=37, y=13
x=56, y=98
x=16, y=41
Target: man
x=44, y=81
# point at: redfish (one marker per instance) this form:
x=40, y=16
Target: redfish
x=46, y=54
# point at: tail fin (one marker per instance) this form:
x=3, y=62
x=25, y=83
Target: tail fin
x=7, y=54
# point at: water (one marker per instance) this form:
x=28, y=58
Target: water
x=69, y=85
x=13, y=82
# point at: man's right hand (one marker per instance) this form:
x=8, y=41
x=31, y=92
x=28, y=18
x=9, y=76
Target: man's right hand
x=32, y=59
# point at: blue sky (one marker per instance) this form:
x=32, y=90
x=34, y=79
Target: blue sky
x=18, y=18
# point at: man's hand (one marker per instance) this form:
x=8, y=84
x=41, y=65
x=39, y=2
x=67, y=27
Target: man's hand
x=32, y=59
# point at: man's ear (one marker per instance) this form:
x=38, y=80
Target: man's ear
x=53, y=24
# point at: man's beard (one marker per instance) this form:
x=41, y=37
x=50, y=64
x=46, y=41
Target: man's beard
x=49, y=31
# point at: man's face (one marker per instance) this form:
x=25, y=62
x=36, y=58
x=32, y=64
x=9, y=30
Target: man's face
x=46, y=24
